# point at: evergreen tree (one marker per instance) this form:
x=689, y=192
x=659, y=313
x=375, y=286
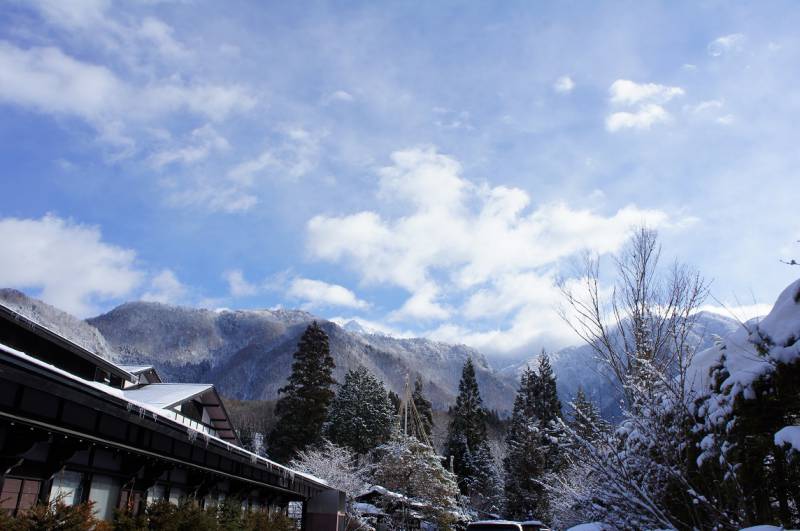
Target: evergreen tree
x=524, y=463
x=468, y=446
x=410, y=467
x=362, y=414
x=534, y=443
x=303, y=408
x=396, y=401
x=424, y=409
x=586, y=420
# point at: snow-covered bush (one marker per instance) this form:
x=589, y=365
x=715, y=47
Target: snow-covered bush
x=340, y=468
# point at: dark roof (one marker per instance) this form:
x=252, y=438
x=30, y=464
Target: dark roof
x=65, y=344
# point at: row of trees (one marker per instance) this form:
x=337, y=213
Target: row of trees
x=360, y=436
x=363, y=435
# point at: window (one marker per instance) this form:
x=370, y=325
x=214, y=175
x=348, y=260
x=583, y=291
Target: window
x=67, y=487
x=295, y=512
x=19, y=494
x=105, y=494
x=156, y=493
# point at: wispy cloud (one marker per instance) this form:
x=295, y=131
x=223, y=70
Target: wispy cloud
x=726, y=44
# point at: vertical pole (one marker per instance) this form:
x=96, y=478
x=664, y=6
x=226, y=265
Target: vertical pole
x=405, y=403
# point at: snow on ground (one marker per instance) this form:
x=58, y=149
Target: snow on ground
x=594, y=526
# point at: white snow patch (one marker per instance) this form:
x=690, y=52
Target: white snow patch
x=789, y=435
x=593, y=526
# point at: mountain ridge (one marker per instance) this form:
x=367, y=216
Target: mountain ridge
x=248, y=353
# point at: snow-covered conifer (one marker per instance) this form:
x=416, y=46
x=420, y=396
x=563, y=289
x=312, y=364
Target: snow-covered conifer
x=362, y=415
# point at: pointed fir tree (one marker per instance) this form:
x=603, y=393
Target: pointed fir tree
x=468, y=446
x=303, y=408
x=362, y=415
x=424, y=409
x=586, y=419
x=524, y=463
x=534, y=442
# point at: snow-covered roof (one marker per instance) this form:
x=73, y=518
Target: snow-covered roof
x=493, y=523
x=136, y=369
x=160, y=412
x=58, y=337
x=166, y=395
x=368, y=509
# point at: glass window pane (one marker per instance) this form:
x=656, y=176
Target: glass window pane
x=30, y=493
x=10, y=493
x=66, y=487
x=104, y=493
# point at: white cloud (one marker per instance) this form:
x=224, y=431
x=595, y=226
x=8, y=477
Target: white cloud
x=726, y=44
x=69, y=263
x=47, y=80
x=317, y=293
x=202, y=142
x=727, y=119
x=706, y=106
x=564, y=85
x=78, y=14
x=166, y=288
x=626, y=92
x=238, y=285
x=245, y=172
x=211, y=195
x=341, y=96
x=645, y=102
x=463, y=250
x=643, y=118
x=293, y=157
x=160, y=34
x=422, y=306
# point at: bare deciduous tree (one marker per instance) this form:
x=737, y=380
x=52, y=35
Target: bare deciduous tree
x=641, y=330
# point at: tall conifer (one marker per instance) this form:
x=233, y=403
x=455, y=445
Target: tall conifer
x=303, y=408
x=533, y=441
x=468, y=446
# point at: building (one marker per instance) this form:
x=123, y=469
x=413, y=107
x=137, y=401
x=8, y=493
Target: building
x=77, y=426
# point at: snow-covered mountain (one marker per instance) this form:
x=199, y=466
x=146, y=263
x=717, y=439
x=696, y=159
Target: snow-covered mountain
x=248, y=353
x=577, y=366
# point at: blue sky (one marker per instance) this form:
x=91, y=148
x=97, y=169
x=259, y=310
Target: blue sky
x=428, y=167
